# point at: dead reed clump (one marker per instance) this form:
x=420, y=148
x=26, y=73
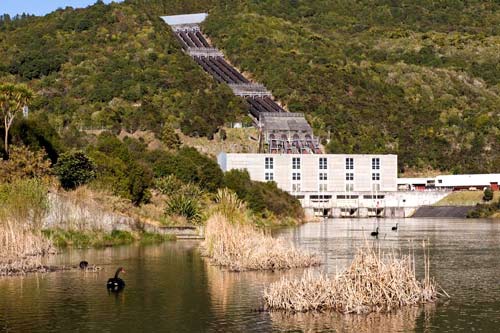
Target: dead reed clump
x=243, y=247
x=22, y=249
x=374, y=282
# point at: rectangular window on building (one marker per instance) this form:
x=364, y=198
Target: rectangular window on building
x=376, y=163
x=323, y=163
x=323, y=176
x=295, y=163
x=295, y=187
x=349, y=187
x=376, y=187
x=323, y=187
x=269, y=163
x=376, y=176
x=349, y=176
x=296, y=176
x=349, y=163
x=269, y=176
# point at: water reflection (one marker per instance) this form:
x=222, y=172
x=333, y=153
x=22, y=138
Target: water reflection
x=171, y=288
x=403, y=320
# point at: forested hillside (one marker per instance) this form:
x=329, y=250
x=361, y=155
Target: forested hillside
x=113, y=66
x=418, y=79
x=98, y=81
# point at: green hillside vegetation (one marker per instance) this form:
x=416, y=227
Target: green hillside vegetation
x=371, y=76
x=112, y=66
x=107, y=68
x=420, y=79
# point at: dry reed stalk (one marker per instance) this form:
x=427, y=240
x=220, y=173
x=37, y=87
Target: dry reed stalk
x=374, y=282
x=242, y=247
x=21, y=248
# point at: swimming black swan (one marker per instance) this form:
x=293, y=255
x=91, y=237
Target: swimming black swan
x=395, y=228
x=83, y=264
x=116, y=284
x=375, y=233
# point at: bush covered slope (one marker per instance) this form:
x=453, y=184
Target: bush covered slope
x=420, y=79
x=113, y=66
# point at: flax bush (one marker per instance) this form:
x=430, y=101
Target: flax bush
x=185, y=206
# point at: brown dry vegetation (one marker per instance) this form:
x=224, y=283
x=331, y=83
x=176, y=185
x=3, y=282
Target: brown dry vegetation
x=375, y=282
x=233, y=241
x=242, y=247
x=239, y=140
x=22, y=207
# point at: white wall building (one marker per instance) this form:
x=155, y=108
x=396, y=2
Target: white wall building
x=347, y=182
x=325, y=173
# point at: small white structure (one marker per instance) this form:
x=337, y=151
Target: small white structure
x=451, y=182
x=472, y=182
x=415, y=184
x=182, y=20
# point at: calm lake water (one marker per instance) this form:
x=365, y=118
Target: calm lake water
x=171, y=288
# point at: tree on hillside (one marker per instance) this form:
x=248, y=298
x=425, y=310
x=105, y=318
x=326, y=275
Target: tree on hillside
x=74, y=168
x=12, y=100
x=170, y=138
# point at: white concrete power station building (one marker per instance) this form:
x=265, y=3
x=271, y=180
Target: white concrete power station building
x=328, y=184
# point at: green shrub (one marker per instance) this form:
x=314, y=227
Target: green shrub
x=488, y=194
x=24, y=163
x=190, y=166
x=185, y=206
x=262, y=197
x=168, y=185
x=169, y=138
x=74, y=168
x=140, y=179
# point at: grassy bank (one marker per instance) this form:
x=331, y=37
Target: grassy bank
x=491, y=210
x=465, y=198
x=86, y=239
x=35, y=222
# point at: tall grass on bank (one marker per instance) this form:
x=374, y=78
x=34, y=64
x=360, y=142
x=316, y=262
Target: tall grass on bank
x=374, y=282
x=23, y=204
x=233, y=242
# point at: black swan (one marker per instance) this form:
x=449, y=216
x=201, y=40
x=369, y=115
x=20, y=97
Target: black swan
x=375, y=233
x=395, y=228
x=83, y=264
x=116, y=284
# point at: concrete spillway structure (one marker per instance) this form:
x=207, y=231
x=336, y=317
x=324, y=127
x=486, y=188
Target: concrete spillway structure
x=282, y=131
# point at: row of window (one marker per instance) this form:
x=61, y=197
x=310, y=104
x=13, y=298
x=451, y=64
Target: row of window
x=323, y=163
x=349, y=187
x=349, y=176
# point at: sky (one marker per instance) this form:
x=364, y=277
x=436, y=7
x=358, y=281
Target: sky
x=41, y=7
